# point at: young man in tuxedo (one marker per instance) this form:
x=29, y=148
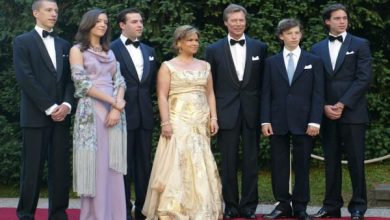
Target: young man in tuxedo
x=237, y=66
x=138, y=67
x=347, y=66
x=291, y=111
x=42, y=71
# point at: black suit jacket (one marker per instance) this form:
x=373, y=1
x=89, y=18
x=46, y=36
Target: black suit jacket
x=291, y=108
x=231, y=97
x=41, y=84
x=349, y=81
x=138, y=95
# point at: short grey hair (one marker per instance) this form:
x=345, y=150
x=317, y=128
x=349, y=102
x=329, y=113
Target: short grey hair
x=231, y=9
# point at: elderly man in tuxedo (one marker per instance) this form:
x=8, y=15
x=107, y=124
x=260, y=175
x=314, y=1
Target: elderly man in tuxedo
x=42, y=71
x=347, y=67
x=138, y=67
x=291, y=112
x=237, y=66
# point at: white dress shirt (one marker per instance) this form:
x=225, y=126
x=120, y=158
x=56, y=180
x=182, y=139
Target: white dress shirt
x=239, y=56
x=334, y=48
x=51, y=50
x=136, y=56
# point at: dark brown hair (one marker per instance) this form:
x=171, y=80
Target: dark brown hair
x=88, y=21
x=122, y=15
x=327, y=12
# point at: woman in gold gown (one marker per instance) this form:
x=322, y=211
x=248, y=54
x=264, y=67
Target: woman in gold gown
x=184, y=183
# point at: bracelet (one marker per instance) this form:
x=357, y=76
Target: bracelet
x=214, y=118
x=165, y=123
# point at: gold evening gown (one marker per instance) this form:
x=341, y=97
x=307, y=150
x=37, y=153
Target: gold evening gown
x=184, y=183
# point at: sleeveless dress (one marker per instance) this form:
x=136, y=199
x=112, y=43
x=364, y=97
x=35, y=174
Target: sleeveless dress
x=184, y=182
x=109, y=202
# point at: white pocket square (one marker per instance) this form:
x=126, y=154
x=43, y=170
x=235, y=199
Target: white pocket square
x=151, y=58
x=308, y=67
x=255, y=58
x=349, y=52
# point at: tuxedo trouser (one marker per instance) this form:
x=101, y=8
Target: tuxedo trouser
x=302, y=146
x=139, y=145
x=228, y=141
x=338, y=138
x=41, y=144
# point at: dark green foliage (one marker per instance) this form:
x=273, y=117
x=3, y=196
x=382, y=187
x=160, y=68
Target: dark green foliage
x=369, y=19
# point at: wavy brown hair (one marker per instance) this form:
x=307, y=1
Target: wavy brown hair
x=88, y=21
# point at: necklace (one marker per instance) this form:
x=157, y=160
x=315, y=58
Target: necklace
x=97, y=49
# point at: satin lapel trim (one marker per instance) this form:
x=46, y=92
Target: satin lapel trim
x=326, y=56
x=59, y=59
x=43, y=51
x=300, y=66
x=146, y=68
x=281, y=66
x=248, y=62
x=230, y=63
x=128, y=61
x=343, y=50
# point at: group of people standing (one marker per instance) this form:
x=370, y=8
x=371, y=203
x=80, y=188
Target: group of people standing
x=235, y=94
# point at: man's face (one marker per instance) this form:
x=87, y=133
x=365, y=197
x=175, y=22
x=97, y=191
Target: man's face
x=291, y=38
x=236, y=24
x=46, y=15
x=133, y=26
x=338, y=22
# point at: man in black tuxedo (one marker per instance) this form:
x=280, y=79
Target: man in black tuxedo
x=138, y=67
x=347, y=66
x=42, y=71
x=237, y=65
x=291, y=111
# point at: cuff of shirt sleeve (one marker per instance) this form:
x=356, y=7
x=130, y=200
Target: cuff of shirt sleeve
x=265, y=123
x=51, y=109
x=315, y=125
x=70, y=107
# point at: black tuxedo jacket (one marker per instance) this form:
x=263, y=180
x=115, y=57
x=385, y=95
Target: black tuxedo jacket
x=138, y=95
x=231, y=95
x=349, y=81
x=42, y=85
x=291, y=108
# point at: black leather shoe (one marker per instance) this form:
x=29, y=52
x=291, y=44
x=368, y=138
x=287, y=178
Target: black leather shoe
x=302, y=215
x=230, y=214
x=138, y=215
x=278, y=214
x=248, y=215
x=357, y=215
x=324, y=213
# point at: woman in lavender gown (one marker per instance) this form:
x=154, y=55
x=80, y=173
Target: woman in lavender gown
x=99, y=136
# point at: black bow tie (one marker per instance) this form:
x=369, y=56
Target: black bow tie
x=241, y=42
x=333, y=38
x=134, y=43
x=47, y=33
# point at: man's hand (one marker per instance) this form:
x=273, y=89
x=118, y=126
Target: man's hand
x=60, y=113
x=332, y=112
x=267, y=130
x=312, y=131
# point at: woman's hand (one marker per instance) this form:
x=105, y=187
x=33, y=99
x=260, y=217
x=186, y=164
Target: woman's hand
x=113, y=117
x=166, y=130
x=119, y=104
x=214, y=127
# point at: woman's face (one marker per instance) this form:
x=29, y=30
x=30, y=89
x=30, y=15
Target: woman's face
x=189, y=44
x=100, y=27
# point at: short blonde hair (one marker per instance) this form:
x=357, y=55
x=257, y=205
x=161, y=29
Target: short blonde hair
x=182, y=32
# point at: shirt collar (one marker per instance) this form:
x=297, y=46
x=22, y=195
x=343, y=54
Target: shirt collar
x=40, y=30
x=296, y=52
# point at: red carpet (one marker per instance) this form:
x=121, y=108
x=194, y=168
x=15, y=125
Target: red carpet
x=73, y=214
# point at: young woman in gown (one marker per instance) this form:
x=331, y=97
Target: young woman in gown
x=98, y=165
x=184, y=182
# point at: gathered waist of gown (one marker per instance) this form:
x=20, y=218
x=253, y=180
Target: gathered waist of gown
x=187, y=90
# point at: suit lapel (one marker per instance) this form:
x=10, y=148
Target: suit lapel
x=248, y=62
x=326, y=56
x=43, y=51
x=281, y=66
x=146, y=68
x=59, y=60
x=342, y=52
x=300, y=65
x=127, y=60
x=230, y=63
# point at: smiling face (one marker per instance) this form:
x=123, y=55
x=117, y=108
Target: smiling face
x=133, y=26
x=100, y=27
x=46, y=15
x=190, y=44
x=236, y=24
x=338, y=22
x=291, y=37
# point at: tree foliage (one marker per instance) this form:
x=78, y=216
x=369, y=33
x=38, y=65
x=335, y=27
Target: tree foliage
x=369, y=19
